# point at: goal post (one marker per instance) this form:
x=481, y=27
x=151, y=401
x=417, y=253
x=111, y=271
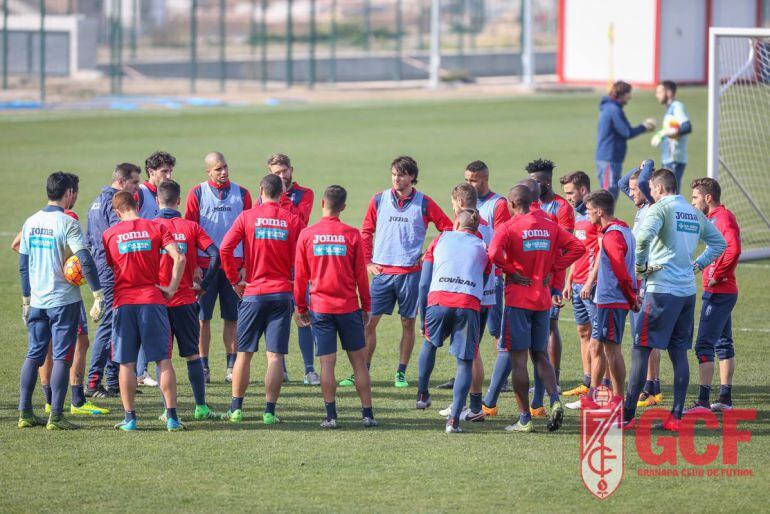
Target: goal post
x=739, y=130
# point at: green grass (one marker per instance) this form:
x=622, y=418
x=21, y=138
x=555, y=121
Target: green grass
x=408, y=463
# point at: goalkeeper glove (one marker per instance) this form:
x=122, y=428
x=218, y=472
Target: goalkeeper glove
x=97, y=311
x=25, y=309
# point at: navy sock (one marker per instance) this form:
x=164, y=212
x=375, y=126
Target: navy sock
x=703, y=393
x=368, y=365
x=236, y=403
x=475, y=402
x=283, y=363
x=78, y=395
x=27, y=384
x=171, y=414
x=425, y=363
x=47, y=393
x=525, y=417
x=60, y=376
x=725, y=394
x=656, y=383
x=499, y=375
x=231, y=359
x=558, y=373
x=205, y=360
x=649, y=387
x=606, y=382
x=462, y=386
x=305, y=336
x=130, y=415
x=270, y=408
x=539, y=391
x=197, y=380
x=401, y=368
x=681, y=379
x=587, y=380
x=331, y=410
x=640, y=356
x=366, y=412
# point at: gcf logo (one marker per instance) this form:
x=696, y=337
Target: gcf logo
x=601, y=444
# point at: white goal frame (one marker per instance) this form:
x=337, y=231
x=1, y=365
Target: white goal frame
x=714, y=165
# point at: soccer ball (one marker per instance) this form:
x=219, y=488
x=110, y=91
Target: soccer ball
x=73, y=271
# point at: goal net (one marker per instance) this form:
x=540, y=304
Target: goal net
x=739, y=130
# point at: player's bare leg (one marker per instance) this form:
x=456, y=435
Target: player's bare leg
x=584, y=333
x=554, y=347
x=241, y=373
x=370, y=333
x=617, y=367
x=598, y=362
x=363, y=382
x=726, y=371
x=407, y=340
x=328, y=382
x=273, y=381
x=520, y=379
x=127, y=380
x=548, y=376
x=78, y=369
x=81, y=405
x=167, y=379
x=228, y=338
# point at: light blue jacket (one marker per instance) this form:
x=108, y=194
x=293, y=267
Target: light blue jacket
x=669, y=236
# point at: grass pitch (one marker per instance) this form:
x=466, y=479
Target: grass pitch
x=408, y=463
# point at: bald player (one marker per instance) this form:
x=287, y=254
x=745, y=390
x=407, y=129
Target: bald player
x=530, y=249
x=215, y=204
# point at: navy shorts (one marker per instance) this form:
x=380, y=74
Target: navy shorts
x=388, y=289
x=228, y=300
x=495, y=316
x=584, y=310
x=326, y=328
x=57, y=325
x=268, y=314
x=183, y=320
x=83, y=326
x=609, y=324
x=144, y=325
x=524, y=329
x=665, y=321
x=715, y=331
x=461, y=326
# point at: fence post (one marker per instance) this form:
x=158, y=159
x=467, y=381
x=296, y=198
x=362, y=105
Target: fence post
x=193, y=44
x=119, y=68
x=134, y=27
x=421, y=25
x=42, y=51
x=253, y=38
x=367, y=24
x=289, y=42
x=263, y=43
x=399, y=32
x=332, y=45
x=5, y=44
x=222, y=56
x=460, y=28
x=312, y=37
x=435, y=43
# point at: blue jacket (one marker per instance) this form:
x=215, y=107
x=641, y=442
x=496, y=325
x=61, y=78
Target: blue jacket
x=100, y=218
x=613, y=131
